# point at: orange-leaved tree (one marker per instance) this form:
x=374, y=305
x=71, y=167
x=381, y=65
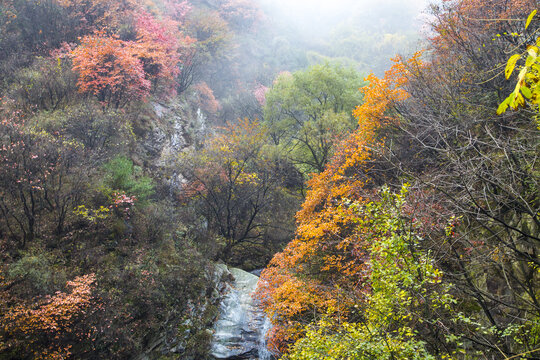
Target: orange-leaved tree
x=118, y=71
x=110, y=69
x=44, y=329
x=323, y=270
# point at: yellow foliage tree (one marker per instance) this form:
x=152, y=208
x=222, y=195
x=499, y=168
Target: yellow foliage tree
x=324, y=268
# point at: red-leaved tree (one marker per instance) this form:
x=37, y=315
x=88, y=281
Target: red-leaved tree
x=161, y=47
x=110, y=69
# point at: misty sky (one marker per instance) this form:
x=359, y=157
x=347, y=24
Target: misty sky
x=317, y=15
x=333, y=7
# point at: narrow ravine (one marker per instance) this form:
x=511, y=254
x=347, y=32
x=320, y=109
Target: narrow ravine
x=240, y=330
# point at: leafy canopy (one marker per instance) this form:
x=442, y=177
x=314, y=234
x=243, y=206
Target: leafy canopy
x=309, y=111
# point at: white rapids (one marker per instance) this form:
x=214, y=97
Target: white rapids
x=240, y=331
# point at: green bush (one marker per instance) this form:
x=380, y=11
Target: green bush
x=121, y=175
x=34, y=268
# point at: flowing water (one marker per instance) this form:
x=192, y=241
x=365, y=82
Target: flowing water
x=242, y=326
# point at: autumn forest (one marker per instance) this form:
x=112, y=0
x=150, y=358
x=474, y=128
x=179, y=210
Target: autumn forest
x=377, y=167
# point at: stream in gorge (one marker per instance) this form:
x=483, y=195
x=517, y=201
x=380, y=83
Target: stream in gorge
x=240, y=331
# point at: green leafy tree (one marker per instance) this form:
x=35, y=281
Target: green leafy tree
x=309, y=111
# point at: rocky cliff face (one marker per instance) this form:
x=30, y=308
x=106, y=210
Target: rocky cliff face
x=174, y=127
x=229, y=324
x=163, y=132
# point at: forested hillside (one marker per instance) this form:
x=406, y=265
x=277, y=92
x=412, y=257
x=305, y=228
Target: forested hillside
x=388, y=186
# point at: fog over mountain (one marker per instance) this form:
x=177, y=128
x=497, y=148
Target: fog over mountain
x=361, y=33
x=319, y=14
